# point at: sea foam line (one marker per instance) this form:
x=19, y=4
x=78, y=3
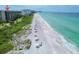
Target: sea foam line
x=67, y=44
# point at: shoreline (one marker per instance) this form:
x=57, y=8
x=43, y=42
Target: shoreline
x=66, y=44
x=50, y=40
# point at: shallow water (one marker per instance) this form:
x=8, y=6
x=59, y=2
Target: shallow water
x=66, y=24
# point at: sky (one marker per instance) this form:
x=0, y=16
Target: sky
x=48, y=8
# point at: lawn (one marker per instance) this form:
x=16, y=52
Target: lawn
x=8, y=29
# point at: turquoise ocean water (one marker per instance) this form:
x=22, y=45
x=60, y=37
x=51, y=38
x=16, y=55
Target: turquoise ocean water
x=67, y=24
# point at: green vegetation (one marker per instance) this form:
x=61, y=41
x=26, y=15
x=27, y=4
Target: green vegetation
x=6, y=47
x=27, y=43
x=8, y=29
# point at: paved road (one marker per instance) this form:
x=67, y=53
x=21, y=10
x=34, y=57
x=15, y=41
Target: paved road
x=48, y=40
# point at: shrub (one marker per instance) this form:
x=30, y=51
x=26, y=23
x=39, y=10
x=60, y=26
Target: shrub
x=4, y=48
x=7, y=31
x=27, y=43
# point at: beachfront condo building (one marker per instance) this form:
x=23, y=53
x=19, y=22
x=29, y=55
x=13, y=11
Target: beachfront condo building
x=13, y=15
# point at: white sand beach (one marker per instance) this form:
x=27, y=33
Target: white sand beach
x=49, y=41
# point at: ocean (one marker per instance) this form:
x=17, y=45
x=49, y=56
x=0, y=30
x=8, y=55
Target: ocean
x=67, y=24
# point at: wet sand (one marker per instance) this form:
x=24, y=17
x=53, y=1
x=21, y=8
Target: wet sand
x=50, y=40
